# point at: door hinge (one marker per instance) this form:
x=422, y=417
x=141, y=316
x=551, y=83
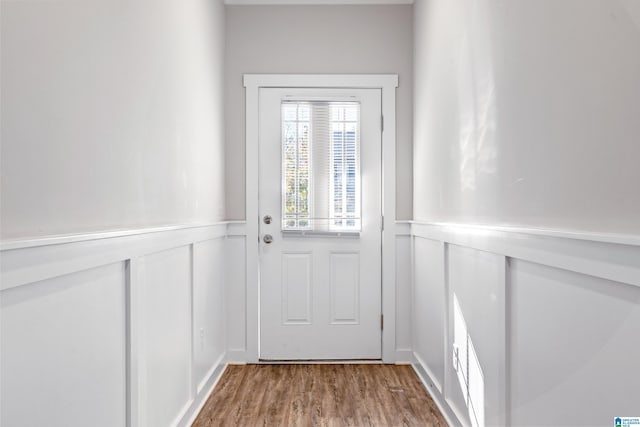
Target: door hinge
x=382, y=224
x=382, y=123
x=382, y=322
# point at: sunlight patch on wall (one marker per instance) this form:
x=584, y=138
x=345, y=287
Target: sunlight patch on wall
x=477, y=101
x=467, y=366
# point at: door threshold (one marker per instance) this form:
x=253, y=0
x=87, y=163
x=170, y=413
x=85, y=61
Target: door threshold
x=322, y=362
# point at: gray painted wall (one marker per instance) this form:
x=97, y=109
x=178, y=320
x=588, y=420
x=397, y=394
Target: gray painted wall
x=111, y=115
x=317, y=39
x=527, y=113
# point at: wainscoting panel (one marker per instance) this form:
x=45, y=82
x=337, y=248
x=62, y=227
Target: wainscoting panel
x=208, y=308
x=112, y=329
x=164, y=319
x=404, y=293
x=63, y=350
x=476, y=280
x=541, y=327
x=574, y=345
x=429, y=298
x=236, y=293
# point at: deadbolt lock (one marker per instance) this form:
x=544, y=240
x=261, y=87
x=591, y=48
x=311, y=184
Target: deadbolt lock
x=267, y=219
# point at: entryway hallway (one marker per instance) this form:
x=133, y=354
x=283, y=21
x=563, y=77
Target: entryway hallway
x=319, y=395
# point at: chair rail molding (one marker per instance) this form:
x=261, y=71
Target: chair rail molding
x=609, y=256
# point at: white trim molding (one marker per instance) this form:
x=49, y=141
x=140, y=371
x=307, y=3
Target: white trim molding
x=387, y=83
x=48, y=272
x=403, y=292
x=32, y=260
x=611, y=257
x=315, y=2
x=532, y=289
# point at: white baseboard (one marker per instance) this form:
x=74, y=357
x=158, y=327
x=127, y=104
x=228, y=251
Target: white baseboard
x=404, y=356
x=237, y=357
x=435, y=395
x=198, y=403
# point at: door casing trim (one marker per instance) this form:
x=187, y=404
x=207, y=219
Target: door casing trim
x=387, y=83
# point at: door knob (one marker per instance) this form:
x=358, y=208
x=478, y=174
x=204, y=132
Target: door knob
x=268, y=238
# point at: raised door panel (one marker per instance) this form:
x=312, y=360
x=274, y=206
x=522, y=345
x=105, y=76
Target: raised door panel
x=296, y=288
x=345, y=288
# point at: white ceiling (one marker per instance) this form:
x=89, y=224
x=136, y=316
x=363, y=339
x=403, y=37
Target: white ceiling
x=316, y=2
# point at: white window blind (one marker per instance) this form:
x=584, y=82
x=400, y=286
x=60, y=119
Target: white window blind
x=321, y=166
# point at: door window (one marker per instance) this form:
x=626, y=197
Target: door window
x=321, y=166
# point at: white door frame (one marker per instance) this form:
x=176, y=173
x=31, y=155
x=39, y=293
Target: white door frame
x=388, y=84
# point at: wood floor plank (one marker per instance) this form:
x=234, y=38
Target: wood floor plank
x=319, y=395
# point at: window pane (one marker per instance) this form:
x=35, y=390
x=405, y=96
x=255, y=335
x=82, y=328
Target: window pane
x=295, y=165
x=289, y=112
x=321, y=166
x=345, y=161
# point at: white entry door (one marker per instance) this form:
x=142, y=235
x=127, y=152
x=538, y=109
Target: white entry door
x=320, y=224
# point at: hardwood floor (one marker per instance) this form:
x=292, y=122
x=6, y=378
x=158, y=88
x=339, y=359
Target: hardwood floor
x=319, y=395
